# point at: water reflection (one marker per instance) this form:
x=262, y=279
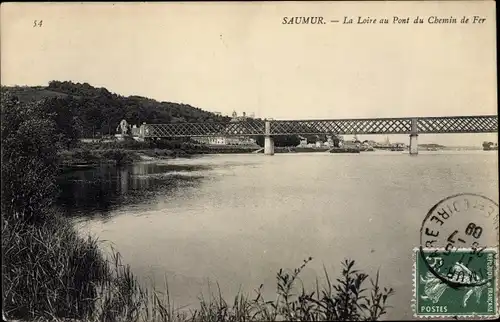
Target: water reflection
x=252, y=215
x=99, y=191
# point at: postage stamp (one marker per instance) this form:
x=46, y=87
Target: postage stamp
x=437, y=298
x=456, y=267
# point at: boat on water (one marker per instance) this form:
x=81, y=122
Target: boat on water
x=344, y=150
x=365, y=147
x=390, y=147
x=310, y=149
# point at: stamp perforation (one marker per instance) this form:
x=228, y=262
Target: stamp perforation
x=460, y=316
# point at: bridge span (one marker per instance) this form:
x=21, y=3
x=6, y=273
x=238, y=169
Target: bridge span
x=270, y=128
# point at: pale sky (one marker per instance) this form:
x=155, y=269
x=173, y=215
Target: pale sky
x=239, y=56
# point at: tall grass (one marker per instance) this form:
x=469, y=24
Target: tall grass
x=49, y=271
x=52, y=273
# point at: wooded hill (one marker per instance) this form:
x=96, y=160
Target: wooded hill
x=84, y=111
x=97, y=111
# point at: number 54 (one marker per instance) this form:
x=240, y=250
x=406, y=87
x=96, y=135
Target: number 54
x=37, y=23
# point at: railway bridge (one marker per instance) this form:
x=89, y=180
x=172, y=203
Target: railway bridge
x=413, y=126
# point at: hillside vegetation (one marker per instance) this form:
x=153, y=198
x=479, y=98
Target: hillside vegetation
x=98, y=111
x=83, y=111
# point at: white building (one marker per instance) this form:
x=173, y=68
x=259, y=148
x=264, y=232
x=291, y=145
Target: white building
x=303, y=141
x=223, y=140
x=243, y=117
x=229, y=140
x=213, y=140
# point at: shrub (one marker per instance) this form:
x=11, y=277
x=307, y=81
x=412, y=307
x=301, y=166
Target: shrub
x=50, y=271
x=344, y=301
x=29, y=159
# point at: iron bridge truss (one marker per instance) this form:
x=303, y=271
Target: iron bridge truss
x=424, y=125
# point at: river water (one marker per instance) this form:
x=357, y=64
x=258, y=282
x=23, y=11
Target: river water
x=238, y=219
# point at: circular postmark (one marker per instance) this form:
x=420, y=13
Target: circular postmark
x=454, y=237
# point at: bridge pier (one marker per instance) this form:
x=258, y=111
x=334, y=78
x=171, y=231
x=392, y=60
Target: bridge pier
x=268, y=140
x=414, y=138
x=268, y=145
x=413, y=144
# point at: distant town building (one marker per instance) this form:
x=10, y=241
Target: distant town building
x=212, y=140
x=236, y=118
x=229, y=140
x=351, y=143
x=135, y=130
x=223, y=140
x=303, y=141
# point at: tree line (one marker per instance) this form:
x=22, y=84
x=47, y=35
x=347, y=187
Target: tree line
x=97, y=111
x=84, y=111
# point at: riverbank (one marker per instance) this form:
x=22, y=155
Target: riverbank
x=91, y=155
x=52, y=272
x=83, y=158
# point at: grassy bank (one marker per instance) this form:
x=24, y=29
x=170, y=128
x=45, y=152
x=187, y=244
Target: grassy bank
x=51, y=272
x=86, y=157
x=173, y=145
x=120, y=153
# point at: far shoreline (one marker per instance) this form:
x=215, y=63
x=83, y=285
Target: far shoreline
x=92, y=155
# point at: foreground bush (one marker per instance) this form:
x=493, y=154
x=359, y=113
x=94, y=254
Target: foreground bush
x=30, y=143
x=344, y=300
x=49, y=271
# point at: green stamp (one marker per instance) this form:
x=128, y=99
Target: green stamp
x=462, y=283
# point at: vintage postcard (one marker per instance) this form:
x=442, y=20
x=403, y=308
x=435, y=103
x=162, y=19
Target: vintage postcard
x=249, y=161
